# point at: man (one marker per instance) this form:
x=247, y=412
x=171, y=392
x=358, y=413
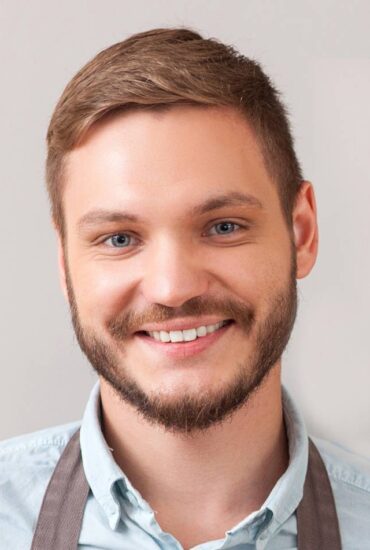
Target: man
x=183, y=223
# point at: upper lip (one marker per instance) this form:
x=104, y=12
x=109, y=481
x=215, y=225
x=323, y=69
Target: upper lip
x=182, y=324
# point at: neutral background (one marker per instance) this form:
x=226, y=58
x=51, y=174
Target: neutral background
x=318, y=54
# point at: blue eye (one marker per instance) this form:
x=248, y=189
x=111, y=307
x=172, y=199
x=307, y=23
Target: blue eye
x=124, y=240
x=225, y=226
x=119, y=241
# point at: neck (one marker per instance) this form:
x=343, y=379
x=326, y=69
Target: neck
x=227, y=470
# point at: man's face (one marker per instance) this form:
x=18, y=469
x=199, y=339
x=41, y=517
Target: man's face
x=140, y=250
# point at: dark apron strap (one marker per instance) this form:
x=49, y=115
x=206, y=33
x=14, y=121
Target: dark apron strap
x=317, y=519
x=60, y=519
x=62, y=509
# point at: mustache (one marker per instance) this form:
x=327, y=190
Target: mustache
x=128, y=322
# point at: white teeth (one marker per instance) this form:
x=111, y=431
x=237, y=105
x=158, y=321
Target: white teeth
x=211, y=328
x=176, y=335
x=190, y=334
x=163, y=336
x=185, y=335
x=201, y=331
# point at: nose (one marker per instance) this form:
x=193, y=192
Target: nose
x=173, y=274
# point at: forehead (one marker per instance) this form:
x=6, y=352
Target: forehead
x=173, y=159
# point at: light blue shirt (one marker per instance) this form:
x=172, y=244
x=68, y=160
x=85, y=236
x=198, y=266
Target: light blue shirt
x=118, y=518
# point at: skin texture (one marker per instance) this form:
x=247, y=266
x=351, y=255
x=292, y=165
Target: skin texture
x=216, y=417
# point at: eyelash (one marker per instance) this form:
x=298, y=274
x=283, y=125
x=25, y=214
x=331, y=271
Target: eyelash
x=129, y=235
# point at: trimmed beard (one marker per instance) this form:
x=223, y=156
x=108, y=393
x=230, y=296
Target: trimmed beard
x=189, y=413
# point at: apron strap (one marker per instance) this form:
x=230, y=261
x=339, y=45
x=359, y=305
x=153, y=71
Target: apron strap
x=62, y=509
x=317, y=519
x=60, y=520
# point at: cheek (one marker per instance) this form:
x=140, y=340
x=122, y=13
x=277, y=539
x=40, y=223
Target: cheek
x=254, y=275
x=102, y=290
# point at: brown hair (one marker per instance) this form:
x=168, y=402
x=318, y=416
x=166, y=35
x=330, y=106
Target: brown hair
x=158, y=69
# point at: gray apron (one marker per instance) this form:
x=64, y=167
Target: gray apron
x=59, y=523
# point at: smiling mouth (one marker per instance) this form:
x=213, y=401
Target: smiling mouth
x=183, y=336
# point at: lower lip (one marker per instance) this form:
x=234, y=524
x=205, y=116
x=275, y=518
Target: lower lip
x=185, y=349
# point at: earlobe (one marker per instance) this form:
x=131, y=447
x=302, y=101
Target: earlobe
x=305, y=229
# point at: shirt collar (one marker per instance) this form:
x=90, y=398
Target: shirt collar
x=102, y=472
x=288, y=490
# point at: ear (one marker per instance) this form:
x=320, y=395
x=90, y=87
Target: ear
x=306, y=236
x=61, y=264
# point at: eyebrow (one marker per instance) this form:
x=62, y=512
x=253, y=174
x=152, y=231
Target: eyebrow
x=235, y=198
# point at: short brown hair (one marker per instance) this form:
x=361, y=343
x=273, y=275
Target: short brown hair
x=158, y=69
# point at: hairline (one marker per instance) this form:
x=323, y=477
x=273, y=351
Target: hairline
x=161, y=109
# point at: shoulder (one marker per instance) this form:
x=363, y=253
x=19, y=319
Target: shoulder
x=39, y=441
x=349, y=475
x=26, y=466
x=345, y=467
